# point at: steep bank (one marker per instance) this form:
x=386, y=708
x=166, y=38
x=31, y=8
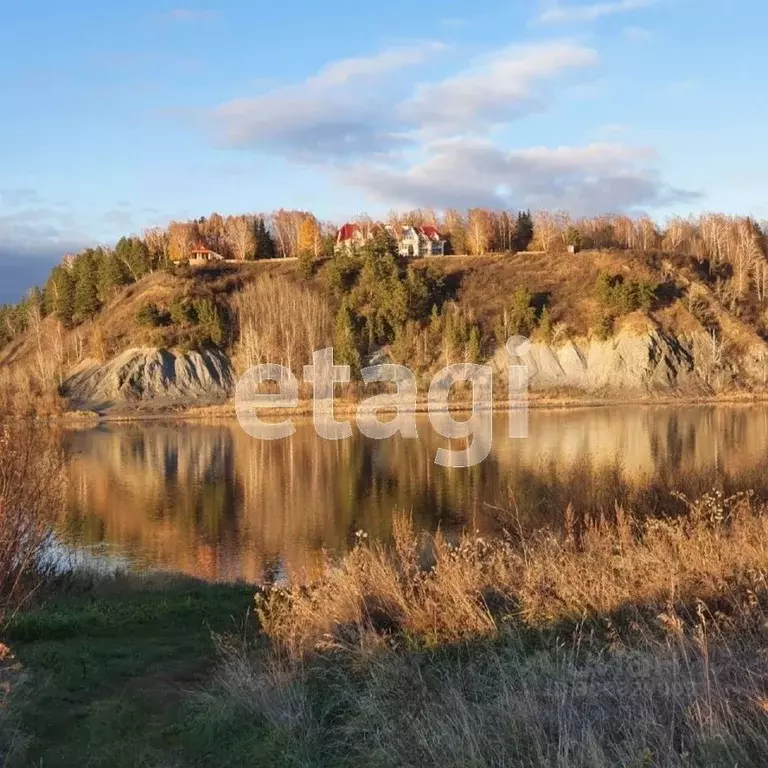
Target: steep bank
x=140, y=377
x=654, y=363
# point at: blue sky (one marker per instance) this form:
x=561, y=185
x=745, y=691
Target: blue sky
x=122, y=116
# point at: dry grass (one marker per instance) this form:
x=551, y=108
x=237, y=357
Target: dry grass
x=443, y=592
x=610, y=644
x=31, y=497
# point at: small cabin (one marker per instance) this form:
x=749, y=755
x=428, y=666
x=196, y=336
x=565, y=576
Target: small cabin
x=200, y=254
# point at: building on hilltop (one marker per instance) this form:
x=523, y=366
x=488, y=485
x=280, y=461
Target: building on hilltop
x=411, y=242
x=201, y=254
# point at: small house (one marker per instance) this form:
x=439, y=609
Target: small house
x=201, y=254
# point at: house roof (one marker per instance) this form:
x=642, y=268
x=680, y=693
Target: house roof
x=201, y=248
x=430, y=231
x=346, y=232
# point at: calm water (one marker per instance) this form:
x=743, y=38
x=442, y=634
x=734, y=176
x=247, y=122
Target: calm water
x=213, y=502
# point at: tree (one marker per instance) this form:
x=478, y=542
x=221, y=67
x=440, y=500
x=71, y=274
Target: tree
x=264, y=244
x=210, y=322
x=180, y=240
x=573, y=237
x=87, y=302
x=157, y=242
x=456, y=228
x=60, y=295
x=523, y=231
x=345, y=349
x=240, y=237
x=133, y=254
x=473, y=346
x=309, y=236
x=479, y=231
x=113, y=273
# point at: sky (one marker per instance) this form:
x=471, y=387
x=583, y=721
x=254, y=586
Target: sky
x=121, y=116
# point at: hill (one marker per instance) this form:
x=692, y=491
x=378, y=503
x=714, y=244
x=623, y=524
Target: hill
x=604, y=322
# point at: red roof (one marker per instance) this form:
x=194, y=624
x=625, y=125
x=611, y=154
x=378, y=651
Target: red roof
x=201, y=248
x=347, y=232
x=430, y=231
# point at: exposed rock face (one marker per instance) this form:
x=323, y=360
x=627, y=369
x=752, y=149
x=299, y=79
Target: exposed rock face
x=151, y=375
x=635, y=364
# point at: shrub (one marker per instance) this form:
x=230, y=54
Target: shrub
x=31, y=498
x=210, y=322
x=182, y=313
x=149, y=315
x=306, y=264
x=519, y=318
x=616, y=296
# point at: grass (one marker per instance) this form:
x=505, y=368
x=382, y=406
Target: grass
x=606, y=642
x=112, y=672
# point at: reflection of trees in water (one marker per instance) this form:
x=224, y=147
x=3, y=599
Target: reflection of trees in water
x=211, y=501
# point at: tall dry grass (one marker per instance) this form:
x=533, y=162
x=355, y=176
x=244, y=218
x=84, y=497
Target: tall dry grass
x=31, y=498
x=609, y=644
x=439, y=591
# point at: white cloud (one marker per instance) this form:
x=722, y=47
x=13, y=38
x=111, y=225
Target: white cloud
x=583, y=180
x=556, y=13
x=430, y=146
x=342, y=111
x=342, y=72
x=500, y=87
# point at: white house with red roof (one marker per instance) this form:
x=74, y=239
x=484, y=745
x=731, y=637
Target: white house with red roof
x=411, y=242
x=418, y=241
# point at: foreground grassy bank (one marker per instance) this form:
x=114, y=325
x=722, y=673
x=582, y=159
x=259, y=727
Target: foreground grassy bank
x=605, y=643
x=109, y=676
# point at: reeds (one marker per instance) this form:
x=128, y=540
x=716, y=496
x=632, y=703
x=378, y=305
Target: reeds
x=609, y=643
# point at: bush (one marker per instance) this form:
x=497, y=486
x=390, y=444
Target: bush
x=210, y=322
x=31, y=499
x=616, y=296
x=149, y=315
x=182, y=313
x=306, y=264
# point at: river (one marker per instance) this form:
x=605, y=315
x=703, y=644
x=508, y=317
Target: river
x=210, y=501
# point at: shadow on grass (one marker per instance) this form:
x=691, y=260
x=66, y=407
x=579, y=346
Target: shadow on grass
x=110, y=669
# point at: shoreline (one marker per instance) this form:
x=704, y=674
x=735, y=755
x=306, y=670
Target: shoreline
x=348, y=407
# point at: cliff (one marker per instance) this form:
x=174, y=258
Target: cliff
x=156, y=376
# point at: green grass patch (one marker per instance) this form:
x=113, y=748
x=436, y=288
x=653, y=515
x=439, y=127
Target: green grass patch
x=115, y=680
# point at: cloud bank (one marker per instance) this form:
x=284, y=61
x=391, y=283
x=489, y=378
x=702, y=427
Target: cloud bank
x=432, y=143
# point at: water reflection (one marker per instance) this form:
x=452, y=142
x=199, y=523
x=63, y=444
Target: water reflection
x=211, y=501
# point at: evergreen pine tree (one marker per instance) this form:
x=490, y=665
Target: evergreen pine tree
x=473, y=346
x=86, y=286
x=265, y=245
x=345, y=344
x=60, y=295
x=523, y=231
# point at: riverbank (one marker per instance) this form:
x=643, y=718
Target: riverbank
x=606, y=643
x=349, y=407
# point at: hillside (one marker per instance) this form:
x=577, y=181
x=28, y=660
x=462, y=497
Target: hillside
x=608, y=323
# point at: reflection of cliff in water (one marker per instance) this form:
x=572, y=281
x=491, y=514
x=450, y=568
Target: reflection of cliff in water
x=212, y=501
